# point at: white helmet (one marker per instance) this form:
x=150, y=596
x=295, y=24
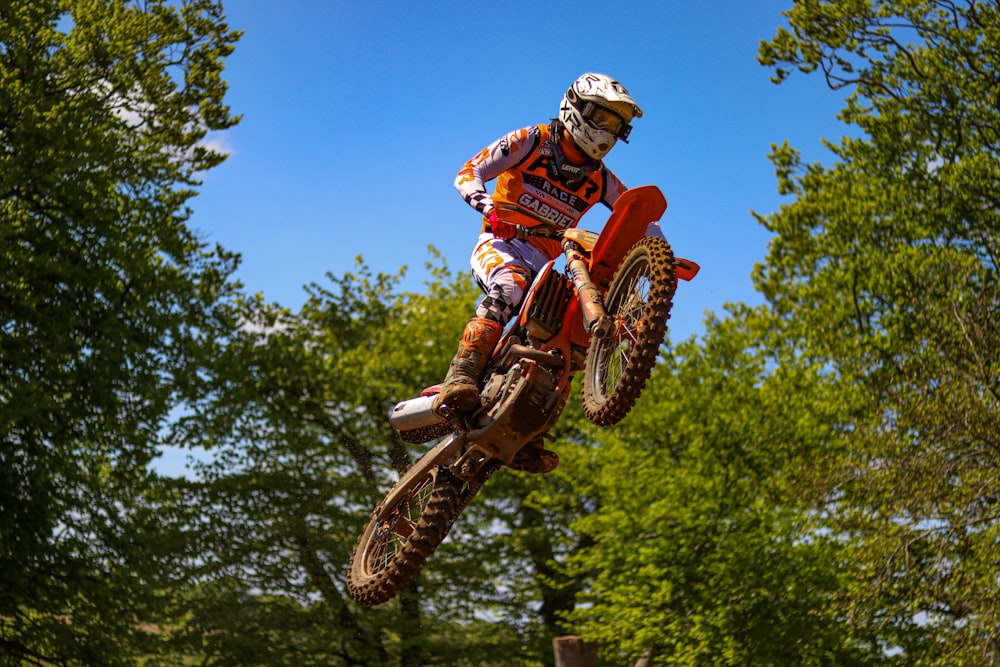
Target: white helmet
x=596, y=111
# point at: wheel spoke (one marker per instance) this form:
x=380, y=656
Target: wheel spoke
x=404, y=530
x=639, y=300
x=399, y=523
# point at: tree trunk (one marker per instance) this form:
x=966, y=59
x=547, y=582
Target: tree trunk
x=411, y=634
x=574, y=652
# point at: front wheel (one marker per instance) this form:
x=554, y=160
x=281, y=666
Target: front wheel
x=639, y=299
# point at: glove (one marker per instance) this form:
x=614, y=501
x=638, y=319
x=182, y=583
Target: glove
x=501, y=228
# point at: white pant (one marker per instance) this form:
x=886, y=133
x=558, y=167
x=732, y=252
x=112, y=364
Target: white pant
x=504, y=270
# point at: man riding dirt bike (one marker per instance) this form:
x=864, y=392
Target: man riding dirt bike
x=557, y=171
x=606, y=314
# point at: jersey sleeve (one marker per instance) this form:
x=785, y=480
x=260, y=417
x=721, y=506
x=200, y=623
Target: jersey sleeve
x=613, y=188
x=506, y=152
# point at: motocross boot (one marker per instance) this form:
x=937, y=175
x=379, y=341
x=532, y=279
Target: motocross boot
x=460, y=390
x=534, y=458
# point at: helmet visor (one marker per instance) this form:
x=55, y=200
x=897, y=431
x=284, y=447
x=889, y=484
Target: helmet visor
x=606, y=119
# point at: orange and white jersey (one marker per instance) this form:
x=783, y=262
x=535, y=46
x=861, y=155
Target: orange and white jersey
x=519, y=161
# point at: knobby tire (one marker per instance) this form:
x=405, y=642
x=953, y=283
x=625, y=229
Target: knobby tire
x=639, y=297
x=406, y=528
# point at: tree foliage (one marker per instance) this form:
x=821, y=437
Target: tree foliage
x=886, y=263
x=108, y=305
x=300, y=452
x=705, y=547
x=811, y=482
x=814, y=483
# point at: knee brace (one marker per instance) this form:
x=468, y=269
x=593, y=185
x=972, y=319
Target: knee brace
x=504, y=294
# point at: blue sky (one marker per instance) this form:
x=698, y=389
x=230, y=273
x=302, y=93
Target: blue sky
x=357, y=116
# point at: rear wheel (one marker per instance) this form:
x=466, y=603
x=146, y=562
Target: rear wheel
x=639, y=299
x=406, y=528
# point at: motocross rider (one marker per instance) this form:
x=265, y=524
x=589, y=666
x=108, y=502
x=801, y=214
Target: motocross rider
x=555, y=170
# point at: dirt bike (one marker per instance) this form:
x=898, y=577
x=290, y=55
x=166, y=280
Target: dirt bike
x=605, y=314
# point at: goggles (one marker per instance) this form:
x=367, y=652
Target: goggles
x=606, y=119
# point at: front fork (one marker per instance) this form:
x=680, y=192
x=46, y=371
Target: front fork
x=596, y=321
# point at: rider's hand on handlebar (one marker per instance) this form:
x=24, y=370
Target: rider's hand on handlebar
x=501, y=228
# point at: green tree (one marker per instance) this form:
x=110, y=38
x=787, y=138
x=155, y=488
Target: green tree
x=885, y=268
x=705, y=548
x=108, y=304
x=301, y=451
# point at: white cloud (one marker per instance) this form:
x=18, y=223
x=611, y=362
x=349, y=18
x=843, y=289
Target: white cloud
x=218, y=142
